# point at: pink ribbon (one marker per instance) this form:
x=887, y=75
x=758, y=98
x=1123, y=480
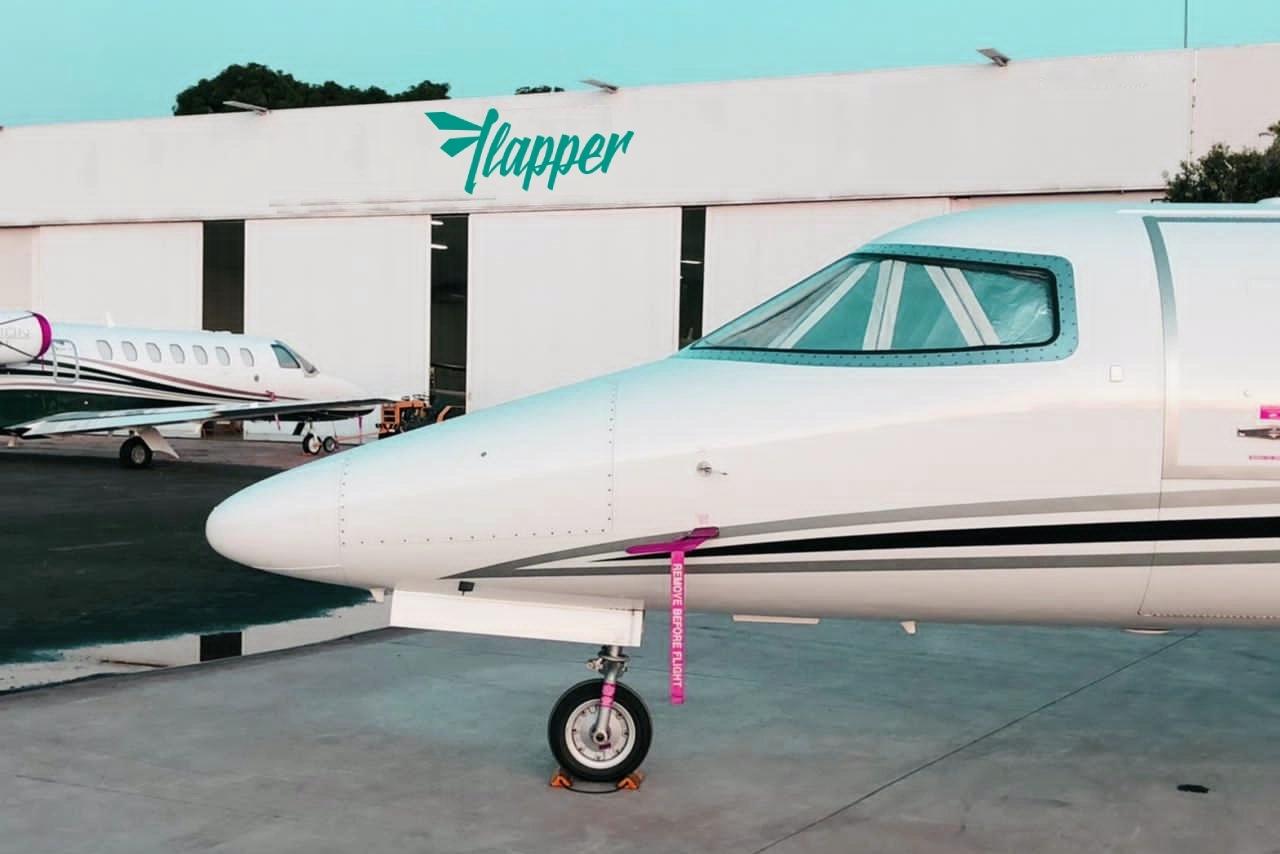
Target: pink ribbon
x=676, y=641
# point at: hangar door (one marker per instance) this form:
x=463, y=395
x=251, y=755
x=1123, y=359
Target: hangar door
x=557, y=297
x=352, y=295
x=756, y=251
x=145, y=275
x=16, y=250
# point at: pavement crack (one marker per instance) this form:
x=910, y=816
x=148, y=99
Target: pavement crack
x=975, y=741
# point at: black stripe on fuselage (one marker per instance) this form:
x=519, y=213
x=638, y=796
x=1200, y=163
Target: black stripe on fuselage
x=1165, y=530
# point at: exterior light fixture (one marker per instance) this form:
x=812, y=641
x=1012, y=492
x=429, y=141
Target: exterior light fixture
x=600, y=84
x=241, y=105
x=996, y=57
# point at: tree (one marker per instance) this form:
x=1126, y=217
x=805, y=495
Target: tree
x=538, y=90
x=257, y=84
x=1225, y=175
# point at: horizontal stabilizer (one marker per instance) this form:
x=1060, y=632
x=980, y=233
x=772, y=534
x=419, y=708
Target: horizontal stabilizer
x=519, y=614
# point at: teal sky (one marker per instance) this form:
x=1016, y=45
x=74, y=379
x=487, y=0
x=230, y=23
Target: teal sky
x=71, y=60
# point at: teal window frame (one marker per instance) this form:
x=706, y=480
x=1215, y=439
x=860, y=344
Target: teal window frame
x=1062, y=345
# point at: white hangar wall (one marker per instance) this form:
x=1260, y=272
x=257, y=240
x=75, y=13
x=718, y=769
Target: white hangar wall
x=352, y=295
x=561, y=296
x=1062, y=125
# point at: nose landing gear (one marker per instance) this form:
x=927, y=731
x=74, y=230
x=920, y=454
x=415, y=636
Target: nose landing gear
x=600, y=730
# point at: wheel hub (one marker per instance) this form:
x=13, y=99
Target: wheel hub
x=603, y=749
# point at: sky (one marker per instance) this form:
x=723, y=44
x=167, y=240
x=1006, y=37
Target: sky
x=77, y=60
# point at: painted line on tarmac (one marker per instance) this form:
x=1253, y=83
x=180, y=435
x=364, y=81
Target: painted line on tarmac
x=114, y=544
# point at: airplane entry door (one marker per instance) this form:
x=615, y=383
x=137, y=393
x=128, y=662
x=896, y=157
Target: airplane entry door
x=66, y=361
x=1220, y=289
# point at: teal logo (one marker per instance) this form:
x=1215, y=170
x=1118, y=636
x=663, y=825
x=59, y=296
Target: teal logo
x=495, y=150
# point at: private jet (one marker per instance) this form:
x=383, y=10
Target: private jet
x=1067, y=414
x=63, y=379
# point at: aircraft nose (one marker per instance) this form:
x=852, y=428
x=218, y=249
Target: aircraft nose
x=287, y=524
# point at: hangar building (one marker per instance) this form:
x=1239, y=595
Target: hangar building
x=519, y=243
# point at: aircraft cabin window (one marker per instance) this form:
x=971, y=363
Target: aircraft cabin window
x=104, y=350
x=179, y=355
x=153, y=352
x=246, y=356
x=224, y=358
x=202, y=357
x=871, y=304
x=130, y=351
x=284, y=357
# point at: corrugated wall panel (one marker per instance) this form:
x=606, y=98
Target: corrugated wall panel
x=563, y=296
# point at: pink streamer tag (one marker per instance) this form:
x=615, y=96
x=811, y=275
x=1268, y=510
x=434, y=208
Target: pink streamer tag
x=676, y=643
x=676, y=646
x=1269, y=413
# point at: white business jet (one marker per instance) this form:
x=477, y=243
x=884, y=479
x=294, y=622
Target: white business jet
x=1053, y=415
x=62, y=379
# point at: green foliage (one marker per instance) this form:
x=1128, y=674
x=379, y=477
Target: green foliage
x=257, y=84
x=538, y=90
x=1224, y=175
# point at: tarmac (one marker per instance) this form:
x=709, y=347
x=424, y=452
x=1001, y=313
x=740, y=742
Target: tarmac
x=845, y=736
x=831, y=738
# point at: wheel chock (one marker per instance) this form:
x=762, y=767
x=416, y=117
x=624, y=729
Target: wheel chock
x=632, y=781
x=561, y=780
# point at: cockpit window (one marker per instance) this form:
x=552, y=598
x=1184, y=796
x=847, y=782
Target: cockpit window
x=284, y=357
x=289, y=358
x=871, y=303
x=904, y=304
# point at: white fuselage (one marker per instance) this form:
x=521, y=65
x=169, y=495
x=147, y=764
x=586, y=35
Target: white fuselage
x=1118, y=484
x=94, y=368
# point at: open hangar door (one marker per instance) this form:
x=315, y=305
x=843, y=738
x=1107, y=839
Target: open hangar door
x=561, y=296
x=756, y=251
x=351, y=294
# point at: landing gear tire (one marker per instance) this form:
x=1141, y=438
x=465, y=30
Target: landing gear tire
x=134, y=453
x=329, y=444
x=569, y=731
x=311, y=444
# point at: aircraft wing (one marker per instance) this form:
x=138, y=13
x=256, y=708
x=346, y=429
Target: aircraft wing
x=119, y=419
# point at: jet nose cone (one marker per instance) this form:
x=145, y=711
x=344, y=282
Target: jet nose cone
x=286, y=524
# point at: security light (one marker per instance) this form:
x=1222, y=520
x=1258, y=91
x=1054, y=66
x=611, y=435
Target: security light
x=994, y=55
x=600, y=84
x=241, y=105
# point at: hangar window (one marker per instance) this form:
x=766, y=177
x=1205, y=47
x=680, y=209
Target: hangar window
x=179, y=355
x=104, y=350
x=931, y=306
x=153, y=352
x=202, y=358
x=224, y=358
x=246, y=356
x=284, y=357
x=130, y=351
